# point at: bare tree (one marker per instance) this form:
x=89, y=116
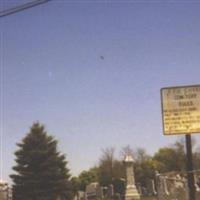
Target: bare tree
x=127, y=150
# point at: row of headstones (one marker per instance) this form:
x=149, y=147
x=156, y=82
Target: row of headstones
x=95, y=191
x=162, y=186
x=166, y=185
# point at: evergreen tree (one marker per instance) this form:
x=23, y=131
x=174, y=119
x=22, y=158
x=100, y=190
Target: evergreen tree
x=41, y=172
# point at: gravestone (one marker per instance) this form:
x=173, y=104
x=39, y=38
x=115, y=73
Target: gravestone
x=5, y=191
x=93, y=191
x=171, y=186
x=151, y=188
x=131, y=192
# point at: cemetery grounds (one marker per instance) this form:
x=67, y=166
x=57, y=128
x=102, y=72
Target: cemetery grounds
x=155, y=198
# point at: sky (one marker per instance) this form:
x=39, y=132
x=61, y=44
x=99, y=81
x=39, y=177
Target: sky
x=91, y=72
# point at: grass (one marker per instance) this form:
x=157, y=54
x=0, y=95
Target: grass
x=154, y=198
x=148, y=198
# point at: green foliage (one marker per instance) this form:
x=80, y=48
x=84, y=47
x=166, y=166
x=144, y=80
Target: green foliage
x=41, y=172
x=106, y=167
x=144, y=167
x=75, y=185
x=112, y=171
x=87, y=177
x=144, y=171
x=170, y=158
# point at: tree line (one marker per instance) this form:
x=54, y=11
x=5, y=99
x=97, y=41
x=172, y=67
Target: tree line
x=110, y=170
x=41, y=171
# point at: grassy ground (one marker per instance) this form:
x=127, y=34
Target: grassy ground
x=154, y=198
x=198, y=196
x=148, y=198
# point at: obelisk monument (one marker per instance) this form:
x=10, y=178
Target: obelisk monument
x=131, y=192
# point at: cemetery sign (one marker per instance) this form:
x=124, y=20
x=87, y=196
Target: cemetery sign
x=181, y=109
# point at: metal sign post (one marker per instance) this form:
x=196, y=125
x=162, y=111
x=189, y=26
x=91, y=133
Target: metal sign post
x=181, y=115
x=190, y=174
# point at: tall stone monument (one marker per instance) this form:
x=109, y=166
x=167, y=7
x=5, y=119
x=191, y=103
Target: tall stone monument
x=131, y=192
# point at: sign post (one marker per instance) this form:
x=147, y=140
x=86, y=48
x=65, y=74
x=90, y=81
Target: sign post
x=190, y=175
x=181, y=115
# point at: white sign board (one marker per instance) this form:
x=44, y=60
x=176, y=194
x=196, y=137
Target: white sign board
x=181, y=110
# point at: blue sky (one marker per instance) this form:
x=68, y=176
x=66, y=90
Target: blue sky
x=91, y=72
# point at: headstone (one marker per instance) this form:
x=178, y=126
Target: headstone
x=151, y=187
x=131, y=192
x=5, y=191
x=93, y=191
x=171, y=186
x=110, y=191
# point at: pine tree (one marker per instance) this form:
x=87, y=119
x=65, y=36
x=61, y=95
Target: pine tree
x=41, y=170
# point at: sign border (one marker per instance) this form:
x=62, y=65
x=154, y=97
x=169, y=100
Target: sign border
x=175, y=87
